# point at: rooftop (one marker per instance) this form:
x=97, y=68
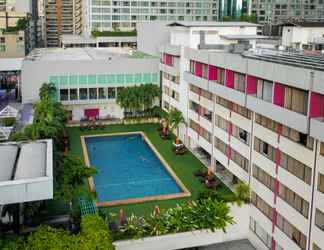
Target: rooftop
x=84, y=54
x=214, y=24
x=297, y=59
x=21, y=181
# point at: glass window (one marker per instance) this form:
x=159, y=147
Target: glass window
x=111, y=93
x=319, y=219
x=64, y=94
x=93, y=94
x=83, y=93
x=73, y=94
x=102, y=93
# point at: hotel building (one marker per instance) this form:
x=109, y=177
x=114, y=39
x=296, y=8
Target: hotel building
x=258, y=117
x=87, y=79
x=120, y=14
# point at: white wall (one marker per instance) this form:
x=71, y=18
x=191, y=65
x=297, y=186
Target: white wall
x=302, y=35
x=151, y=36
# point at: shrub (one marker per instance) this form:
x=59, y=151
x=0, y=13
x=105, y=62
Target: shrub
x=94, y=235
x=9, y=121
x=242, y=191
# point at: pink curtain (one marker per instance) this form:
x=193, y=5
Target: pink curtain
x=316, y=105
x=198, y=69
x=230, y=78
x=212, y=73
x=251, y=84
x=168, y=59
x=279, y=94
x=91, y=113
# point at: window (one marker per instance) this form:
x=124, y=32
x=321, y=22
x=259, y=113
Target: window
x=102, y=93
x=73, y=94
x=64, y=94
x=290, y=133
x=295, y=167
x=221, y=146
x=206, y=94
x=261, y=205
x=296, y=100
x=221, y=122
x=192, y=66
x=265, y=149
x=221, y=76
x=320, y=183
x=111, y=93
x=322, y=148
x=234, y=107
x=319, y=219
x=207, y=114
x=293, y=199
x=239, y=82
x=193, y=125
x=241, y=134
x=263, y=177
x=240, y=160
x=261, y=233
x=83, y=93
x=293, y=233
x=264, y=90
x=93, y=94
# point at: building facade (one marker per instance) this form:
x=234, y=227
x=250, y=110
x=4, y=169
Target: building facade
x=12, y=44
x=62, y=17
x=107, y=15
x=256, y=117
x=276, y=11
x=87, y=78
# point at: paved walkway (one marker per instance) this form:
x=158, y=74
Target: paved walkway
x=232, y=245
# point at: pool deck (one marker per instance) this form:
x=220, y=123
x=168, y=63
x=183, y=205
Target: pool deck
x=185, y=192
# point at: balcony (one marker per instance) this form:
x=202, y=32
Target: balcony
x=172, y=70
x=196, y=80
x=317, y=128
x=279, y=114
x=261, y=190
x=291, y=214
x=284, y=240
x=227, y=93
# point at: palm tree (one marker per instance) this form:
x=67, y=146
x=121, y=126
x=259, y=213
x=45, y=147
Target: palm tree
x=242, y=191
x=47, y=91
x=175, y=117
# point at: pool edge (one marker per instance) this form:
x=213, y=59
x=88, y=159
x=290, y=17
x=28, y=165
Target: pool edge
x=185, y=192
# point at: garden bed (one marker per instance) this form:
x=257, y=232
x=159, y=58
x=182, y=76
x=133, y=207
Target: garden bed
x=237, y=231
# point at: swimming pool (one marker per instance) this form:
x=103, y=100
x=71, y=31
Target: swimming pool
x=129, y=170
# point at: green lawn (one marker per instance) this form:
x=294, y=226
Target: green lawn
x=183, y=166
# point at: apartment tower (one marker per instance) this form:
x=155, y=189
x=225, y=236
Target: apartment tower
x=62, y=17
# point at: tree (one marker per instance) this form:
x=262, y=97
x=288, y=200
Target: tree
x=137, y=99
x=70, y=174
x=242, y=191
x=47, y=91
x=227, y=18
x=174, y=119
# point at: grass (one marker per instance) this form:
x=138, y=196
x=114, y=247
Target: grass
x=183, y=166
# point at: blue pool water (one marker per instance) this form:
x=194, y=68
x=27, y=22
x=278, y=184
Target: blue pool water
x=128, y=168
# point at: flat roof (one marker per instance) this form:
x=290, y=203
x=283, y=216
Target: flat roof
x=84, y=54
x=243, y=37
x=24, y=160
x=230, y=245
x=189, y=24
x=10, y=64
x=296, y=59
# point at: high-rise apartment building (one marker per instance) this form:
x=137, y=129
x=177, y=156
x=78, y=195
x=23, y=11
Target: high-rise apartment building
x=124, y=14
x=62, y=17
x=256, y=117
x=277, y=11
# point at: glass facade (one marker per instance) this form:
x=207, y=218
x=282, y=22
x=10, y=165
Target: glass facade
x=97, y=87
